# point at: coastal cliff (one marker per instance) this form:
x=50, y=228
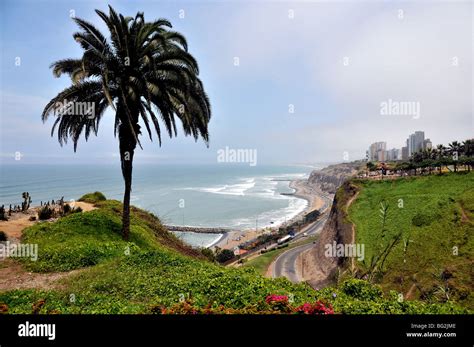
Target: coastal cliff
x=332, y=177
x=319, y=270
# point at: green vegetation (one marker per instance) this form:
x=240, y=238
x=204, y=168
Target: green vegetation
x=85, y=239
x=224, y=255
x=263, y=261
x=434, y=214
x=93, y=198
x=156, y=273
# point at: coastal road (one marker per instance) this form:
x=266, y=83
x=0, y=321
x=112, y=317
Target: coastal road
x=285, y=264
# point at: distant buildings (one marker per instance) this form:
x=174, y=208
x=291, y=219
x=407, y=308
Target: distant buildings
x=427, y=144
x=377, y=151
x=393, y=154
x=415, y=142
x=405, y=155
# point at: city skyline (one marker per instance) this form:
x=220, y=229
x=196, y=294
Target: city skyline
x=414, y=143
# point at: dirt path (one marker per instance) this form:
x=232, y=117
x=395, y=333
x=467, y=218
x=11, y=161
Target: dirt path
x=464, y=216
x=17, y=222
x=353, y=236
x=12, y=274
x=411, y=291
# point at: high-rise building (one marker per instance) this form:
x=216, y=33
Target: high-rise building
x=377, y=151
x=392, y=154
x=415, y=142
x=427, y=144
x=405, y=153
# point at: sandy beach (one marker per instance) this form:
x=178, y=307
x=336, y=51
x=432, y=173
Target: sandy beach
x=232, y=239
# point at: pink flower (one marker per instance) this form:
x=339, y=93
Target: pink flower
x=276, y=299
x=317, y=308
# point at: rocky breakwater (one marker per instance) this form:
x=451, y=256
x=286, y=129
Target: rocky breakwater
x=197, y=229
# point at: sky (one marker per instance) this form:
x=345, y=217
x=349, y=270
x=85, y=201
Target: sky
x=308, y=88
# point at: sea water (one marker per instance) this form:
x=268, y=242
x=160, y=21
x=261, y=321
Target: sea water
x=229, y=196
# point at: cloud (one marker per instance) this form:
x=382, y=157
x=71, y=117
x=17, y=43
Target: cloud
x=300, y=61
x=403, y=56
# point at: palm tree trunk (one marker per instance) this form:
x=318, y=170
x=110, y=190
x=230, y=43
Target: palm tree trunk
x=127, y=175
x=127, y=149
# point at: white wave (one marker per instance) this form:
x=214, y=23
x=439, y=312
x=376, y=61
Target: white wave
x=203, y=240
x=296, y=175
x=273, y=218
x=282, y=215
x=227, y=189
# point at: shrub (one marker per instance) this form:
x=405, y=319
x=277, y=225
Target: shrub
x=77, y=209
x=278, y=303
x=224, y=255
x=317, y=308
x=209, y=254
x=421, y=219
x=360, y=289
x=93, y=198
x=45, y=213
x=3, y=308
x=66, y=209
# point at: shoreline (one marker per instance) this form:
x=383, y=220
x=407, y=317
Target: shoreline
x=302, y=190
x=217, y=238
x=231, y=238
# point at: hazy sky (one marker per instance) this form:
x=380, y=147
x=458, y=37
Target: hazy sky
x=332, y=63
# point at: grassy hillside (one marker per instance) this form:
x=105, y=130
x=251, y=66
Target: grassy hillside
x=85, y=239
x=434, y=214
x=155, y=271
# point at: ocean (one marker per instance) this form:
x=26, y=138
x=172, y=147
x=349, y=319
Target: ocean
x=231, y=196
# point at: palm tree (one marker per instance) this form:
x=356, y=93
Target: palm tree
x=468, y=149
x=455, y=149
x=143, y=72
x=440, y=152
x=468, y=146
x=428, y=154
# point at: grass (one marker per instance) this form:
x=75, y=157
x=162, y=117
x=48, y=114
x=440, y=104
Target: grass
x=156, y=270
x=434, y=214
x=262, y=262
